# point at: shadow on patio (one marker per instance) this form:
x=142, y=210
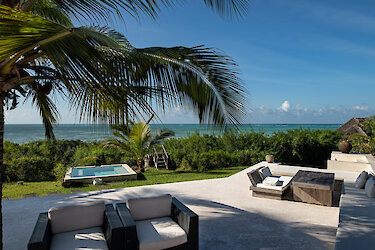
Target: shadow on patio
x=226, y=227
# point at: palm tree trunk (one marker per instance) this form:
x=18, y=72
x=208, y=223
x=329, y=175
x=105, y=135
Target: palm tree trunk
x=1, y=165
x=140, y=165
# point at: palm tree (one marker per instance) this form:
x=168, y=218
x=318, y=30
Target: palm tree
x=136, y=140
x=100, y=73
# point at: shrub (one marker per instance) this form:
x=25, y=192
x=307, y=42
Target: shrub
x=303, y=147
x=94, y=154
x=33, y=168
x=59, y=171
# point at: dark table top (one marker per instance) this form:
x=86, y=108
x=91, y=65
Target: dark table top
x=317, y=180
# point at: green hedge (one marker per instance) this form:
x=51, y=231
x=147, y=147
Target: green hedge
x=302, y=147
x=43, y=160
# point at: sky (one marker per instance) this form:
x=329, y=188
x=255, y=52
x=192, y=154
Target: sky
x=301, y=61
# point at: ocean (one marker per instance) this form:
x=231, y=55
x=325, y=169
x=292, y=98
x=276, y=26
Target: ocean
x=22, y=133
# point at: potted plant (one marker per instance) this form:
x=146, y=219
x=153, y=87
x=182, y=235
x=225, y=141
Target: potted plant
x=270, y=158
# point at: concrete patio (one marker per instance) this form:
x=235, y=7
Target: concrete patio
x=229, y=217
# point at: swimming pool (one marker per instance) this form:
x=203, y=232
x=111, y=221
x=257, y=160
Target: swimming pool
x=105, y=172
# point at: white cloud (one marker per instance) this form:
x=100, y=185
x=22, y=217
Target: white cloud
x=364, y=108
x=285, y=106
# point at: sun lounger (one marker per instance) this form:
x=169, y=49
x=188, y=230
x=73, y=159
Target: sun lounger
x=264, y=184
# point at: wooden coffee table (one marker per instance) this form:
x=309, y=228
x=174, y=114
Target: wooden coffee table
x=313, y=187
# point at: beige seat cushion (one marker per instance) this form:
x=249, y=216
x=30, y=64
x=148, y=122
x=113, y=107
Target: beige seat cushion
x=71, y=218
x=159, y=233
x=283, y=183
x=90, y=238
x=151, y=207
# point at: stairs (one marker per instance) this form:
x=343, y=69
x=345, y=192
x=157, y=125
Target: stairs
x=160, y=160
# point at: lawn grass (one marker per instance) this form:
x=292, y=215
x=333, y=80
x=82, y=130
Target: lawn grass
x=150, y=177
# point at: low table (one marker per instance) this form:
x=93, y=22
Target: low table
x=313, y=187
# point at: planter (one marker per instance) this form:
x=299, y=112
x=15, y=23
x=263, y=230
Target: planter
x=270, y=158
x=345, y=147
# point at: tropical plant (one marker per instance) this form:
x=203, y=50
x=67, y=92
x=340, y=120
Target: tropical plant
x=368, y=126
x=103, y=75
x=136, y=140
x=364, y=143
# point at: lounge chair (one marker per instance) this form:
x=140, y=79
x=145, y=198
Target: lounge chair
x=90, y=225
x=160, y=222
x=264, y=184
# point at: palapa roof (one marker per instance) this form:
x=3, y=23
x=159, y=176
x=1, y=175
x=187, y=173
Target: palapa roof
x=353, y=126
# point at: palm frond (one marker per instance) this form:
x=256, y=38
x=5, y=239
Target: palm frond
x=123, y=146
x=108, y=78
x=50, y=11
x=47, y=110
x=160, y=135
x=198, y=76
x=228, y=8
x=102, y=10
x=20, y=31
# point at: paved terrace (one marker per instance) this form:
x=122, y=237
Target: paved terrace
x=229, y=217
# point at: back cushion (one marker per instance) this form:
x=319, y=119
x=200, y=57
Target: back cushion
x=361, y=180
x=255, y=177
x=265, y=172
x=370, y=187
x=70, y=218
x=149, y=208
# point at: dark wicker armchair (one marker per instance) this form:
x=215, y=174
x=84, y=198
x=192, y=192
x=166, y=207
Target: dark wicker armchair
x=158, y=223
x=91, y=225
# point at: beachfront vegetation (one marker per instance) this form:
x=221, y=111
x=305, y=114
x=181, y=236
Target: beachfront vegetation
x=43, y=160
x=301, y=147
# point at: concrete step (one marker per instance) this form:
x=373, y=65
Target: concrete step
x=348, y=166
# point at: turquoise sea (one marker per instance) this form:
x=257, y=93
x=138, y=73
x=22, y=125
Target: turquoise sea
x=21, y=133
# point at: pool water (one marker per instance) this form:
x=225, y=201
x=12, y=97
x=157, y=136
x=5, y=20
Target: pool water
x=98, y=171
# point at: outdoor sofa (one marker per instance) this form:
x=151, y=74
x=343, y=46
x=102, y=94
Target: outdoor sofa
x=160, y=222
x=265, y=184
x=90, y=225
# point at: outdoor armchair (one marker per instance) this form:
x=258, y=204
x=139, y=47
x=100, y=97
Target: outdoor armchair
x=160, y=222
x=90, y=225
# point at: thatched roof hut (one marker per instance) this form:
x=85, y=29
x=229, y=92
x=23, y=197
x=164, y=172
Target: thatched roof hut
x=353, y=126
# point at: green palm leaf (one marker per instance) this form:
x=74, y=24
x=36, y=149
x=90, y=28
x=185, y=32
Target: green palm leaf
x=47, y=110
x=103, y=68
x=103, y=9
x=228, y=9
x=20, y=31
x=50, y=11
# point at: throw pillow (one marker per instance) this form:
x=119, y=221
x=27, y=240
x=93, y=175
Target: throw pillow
x=271, y=181
x=370, y=187
x=361, y=180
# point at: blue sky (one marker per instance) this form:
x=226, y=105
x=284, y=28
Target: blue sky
x=301, y=61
